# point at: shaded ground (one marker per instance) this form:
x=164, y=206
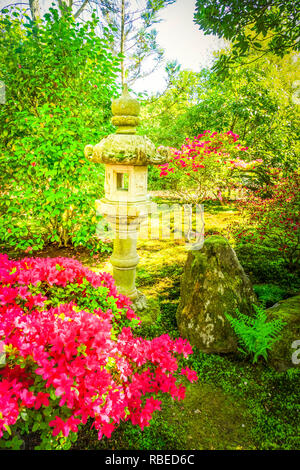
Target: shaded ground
x=81, y=253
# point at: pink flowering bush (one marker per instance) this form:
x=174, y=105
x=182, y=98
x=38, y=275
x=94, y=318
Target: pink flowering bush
x=206, y=165
x=71, y=354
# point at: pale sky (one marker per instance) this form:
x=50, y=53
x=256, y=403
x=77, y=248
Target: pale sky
x=179, y=36
x=182, y=40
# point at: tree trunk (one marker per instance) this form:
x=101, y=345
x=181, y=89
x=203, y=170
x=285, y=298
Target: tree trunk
x=122, y=41
x=80, y=10
x=35, y=9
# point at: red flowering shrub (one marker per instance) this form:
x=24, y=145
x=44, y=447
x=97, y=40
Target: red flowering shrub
x=206, y=165
x=271, y=216
x=71, y=354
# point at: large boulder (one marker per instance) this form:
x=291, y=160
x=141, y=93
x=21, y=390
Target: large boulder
x=213, y=283
x=282, y=351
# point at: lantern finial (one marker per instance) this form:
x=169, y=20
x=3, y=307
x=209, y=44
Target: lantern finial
x=125, y=113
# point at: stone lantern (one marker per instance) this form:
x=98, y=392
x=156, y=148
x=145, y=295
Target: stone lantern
x=126, y=157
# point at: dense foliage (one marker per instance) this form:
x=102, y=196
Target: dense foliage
x=71, y=354
x=60, y=78
x=263, y=25
x=258, y=101
x=226, y=383
x=271, y=218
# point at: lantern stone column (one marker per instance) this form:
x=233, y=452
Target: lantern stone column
x=125, y=260
x=126, y=157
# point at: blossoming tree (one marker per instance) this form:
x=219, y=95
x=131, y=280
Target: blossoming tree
x=206, y=165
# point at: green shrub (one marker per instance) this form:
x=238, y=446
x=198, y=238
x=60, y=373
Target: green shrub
x=270, y=217
x=60, y=78
x=256, y=335
x=269, y=294
x=265, y=264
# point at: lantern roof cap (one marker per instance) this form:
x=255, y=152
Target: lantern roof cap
x=125, y=147
x=126, y=110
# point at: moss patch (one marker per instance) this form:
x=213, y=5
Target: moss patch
x=150, y=314
x=288, y=311
x=206, y=419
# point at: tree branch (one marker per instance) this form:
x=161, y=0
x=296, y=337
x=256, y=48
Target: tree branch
x=80, y=10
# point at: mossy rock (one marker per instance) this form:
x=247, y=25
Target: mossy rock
x=280, y=357
x=213, y=283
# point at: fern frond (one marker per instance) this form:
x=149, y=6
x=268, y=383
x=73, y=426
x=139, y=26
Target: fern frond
x=256, y=335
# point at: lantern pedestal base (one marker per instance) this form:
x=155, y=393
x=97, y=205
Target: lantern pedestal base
x=125, y=282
